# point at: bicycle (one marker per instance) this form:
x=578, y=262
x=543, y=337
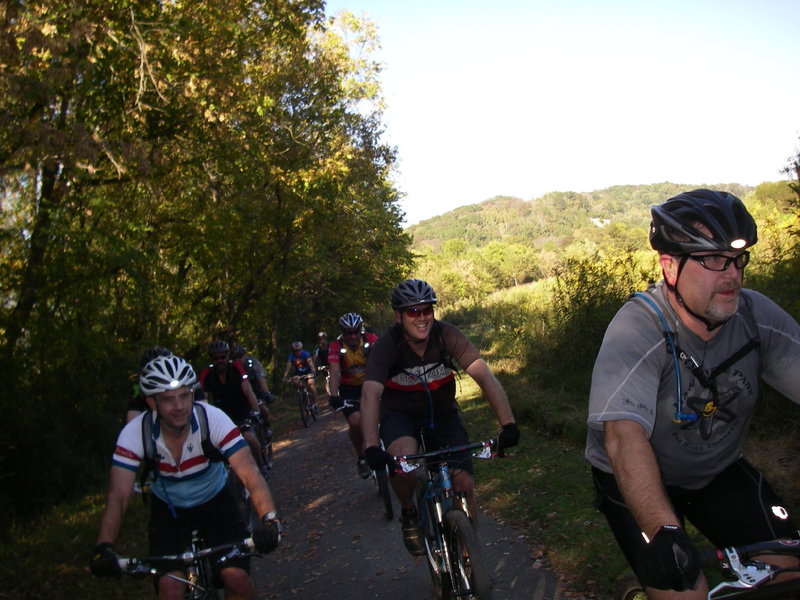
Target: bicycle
x=200, y=563
x=747, y=579
x=256, y=423
x=308, y=408
x=381, y=477
x=453, y=554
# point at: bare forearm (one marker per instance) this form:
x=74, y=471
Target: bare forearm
x=370, y=412
x=638, y=476
x=493, y=390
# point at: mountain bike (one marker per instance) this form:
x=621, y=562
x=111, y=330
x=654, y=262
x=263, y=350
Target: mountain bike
x=308, y=408
x=746, y=579
x=200, y=563
x=453, y=553
x=381, y=476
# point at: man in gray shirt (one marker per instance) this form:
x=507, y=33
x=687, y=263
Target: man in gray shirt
x=673, y=391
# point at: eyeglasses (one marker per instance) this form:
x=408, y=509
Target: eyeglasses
x=351, y=331
x=720, y=262
x=415, y=311
x=218, y=357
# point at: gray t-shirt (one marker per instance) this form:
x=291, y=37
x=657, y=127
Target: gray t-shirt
x=634, y=378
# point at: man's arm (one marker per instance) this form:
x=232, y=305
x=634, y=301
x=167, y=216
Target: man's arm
x=638, y=477
x=246, y=470
x=335, y=372
x=492, y=389
x=120, y=487
x=370, y=411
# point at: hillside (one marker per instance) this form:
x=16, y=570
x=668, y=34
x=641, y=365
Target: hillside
x=554, y=217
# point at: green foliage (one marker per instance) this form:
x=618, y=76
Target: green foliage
x=171, y=173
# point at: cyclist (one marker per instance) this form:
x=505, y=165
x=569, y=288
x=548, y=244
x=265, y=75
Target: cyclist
x=300, y=362
x=410, y=383
x=256, y=374
x=320, y=355
x=189, y=491
x=228, y=387
x=347, y=357
x=673, y=392
x=136, y=403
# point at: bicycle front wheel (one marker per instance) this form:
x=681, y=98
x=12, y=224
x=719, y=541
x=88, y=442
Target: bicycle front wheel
x=210, y=590
x=303, y=403
x=312, y=406
x=468, y=575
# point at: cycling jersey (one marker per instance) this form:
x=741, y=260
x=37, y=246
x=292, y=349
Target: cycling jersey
x=320, y=355
x=352, y=363
x=414, y=384
x=634, y=378
x=193, y=480
x=300, y=362
x=228, y=395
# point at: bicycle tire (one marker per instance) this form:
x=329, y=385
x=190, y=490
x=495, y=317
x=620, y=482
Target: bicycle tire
x=265, y=443
x=242, y=498
x=629, y=588
x=384, y=491
x=469, y=577
x=303, y=404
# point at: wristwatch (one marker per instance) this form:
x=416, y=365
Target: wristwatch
x=270, y=516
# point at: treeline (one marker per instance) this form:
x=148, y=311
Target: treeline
x=174, y=172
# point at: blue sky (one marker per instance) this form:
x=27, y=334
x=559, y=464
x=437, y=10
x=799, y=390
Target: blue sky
x=521, y=98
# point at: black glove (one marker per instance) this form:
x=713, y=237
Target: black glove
x=267, y=534
x=670, y=561
x=508, y=437
x=336, y=402
x=104, y=561
x=377, y=459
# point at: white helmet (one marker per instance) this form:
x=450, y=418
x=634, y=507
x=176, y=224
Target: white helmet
x=166, y=373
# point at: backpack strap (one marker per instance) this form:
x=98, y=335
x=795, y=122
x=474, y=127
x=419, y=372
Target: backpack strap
x=150, y=458
x=210, y=451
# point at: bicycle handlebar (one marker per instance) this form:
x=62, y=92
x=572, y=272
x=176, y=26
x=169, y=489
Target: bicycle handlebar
x=485, y=451
x=749, y=573
x=143, y=566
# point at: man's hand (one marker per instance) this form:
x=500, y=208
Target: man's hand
x=508, y=437
x=336, y=402
x=376, y=458
x=267, y=534
x=670, y=561
x=104, y=561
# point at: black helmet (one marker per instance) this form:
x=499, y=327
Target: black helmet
x=218, y=347
x=672, y=229
x=151, y=353
x=166, y=373
x=412, y=292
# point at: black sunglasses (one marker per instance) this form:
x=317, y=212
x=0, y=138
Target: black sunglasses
x=720, y=262
x=415, y=311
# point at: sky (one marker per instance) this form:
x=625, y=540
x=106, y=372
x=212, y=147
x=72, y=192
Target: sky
x=520, y=98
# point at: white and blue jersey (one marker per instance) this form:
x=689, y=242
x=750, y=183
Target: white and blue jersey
x=193, y=479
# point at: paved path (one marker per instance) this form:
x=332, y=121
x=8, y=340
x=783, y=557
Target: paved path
x=338, y=545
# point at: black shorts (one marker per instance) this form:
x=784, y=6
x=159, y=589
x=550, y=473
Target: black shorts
x=737, y=507
x=353, y=394
x=218, y=521
x=448, y=431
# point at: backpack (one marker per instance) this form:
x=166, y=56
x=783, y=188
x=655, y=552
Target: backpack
x=150, y=461
x=678, y=355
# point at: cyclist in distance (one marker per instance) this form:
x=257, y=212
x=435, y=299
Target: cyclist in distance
x=410, y=383
x=228, y=387
x=673, y=391
x=300, y=362
x=256, y=374
x=348, y=363
x=320, y=356
x=189, y=490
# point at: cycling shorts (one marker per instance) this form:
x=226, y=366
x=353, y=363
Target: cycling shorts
x=353, y=394
x=448, y=431
x=738, y=507
x=218, y=520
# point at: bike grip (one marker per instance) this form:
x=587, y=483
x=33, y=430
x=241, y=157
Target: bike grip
x=711, y=557
x=124, y=563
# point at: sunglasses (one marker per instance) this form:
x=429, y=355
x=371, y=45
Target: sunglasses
x=216, y=357
x=351, y=331
x=720, y=262
x=414, y=311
